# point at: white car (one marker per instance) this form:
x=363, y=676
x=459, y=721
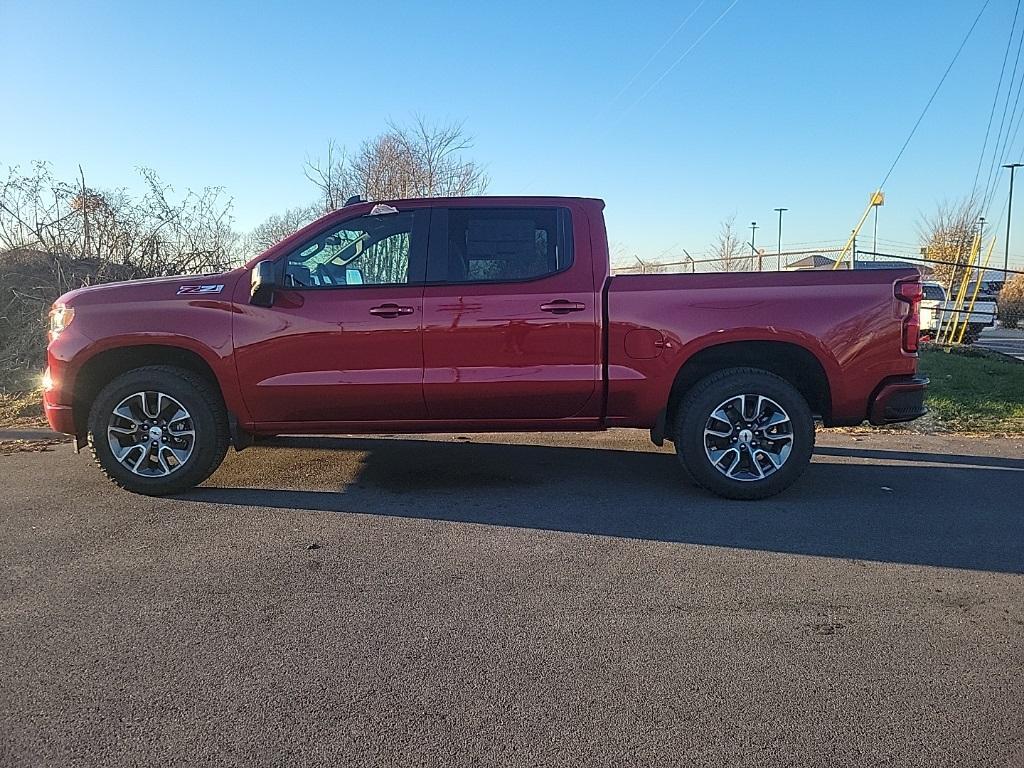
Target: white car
x=937, y=309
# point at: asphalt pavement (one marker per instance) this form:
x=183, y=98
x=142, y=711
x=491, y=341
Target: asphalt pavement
x=516, y=600
x=1009, y=341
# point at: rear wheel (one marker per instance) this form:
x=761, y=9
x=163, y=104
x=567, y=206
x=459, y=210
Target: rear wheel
x=744, y=433
x=158, y=430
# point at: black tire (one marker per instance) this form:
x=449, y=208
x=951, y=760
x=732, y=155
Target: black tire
x=705, y=397
x=209, y=422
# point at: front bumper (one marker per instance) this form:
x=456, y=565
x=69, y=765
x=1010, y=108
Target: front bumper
x=59, y=415
x=900, y=399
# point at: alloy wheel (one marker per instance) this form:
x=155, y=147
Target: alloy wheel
x=151, y=434
x=748, y=437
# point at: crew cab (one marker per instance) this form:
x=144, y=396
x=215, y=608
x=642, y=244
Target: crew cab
x=478, y=314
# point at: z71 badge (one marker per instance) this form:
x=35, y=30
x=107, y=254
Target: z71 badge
x=193, y=289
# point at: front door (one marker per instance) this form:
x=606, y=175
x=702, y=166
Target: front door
x=342, y=341
x=510, y=327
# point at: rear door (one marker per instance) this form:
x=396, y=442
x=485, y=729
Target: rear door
x=510, y=316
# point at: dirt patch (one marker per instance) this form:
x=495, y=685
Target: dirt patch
x=11, y=447
x=21, y=410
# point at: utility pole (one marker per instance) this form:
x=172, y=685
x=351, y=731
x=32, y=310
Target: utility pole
x=753, y=229
x=779, y=265
x=1009, y=214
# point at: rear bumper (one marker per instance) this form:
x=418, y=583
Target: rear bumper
x=899, y=400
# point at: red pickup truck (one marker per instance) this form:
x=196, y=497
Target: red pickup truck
x=478, y=314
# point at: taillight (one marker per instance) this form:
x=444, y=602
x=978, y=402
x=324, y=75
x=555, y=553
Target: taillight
x=910, y=292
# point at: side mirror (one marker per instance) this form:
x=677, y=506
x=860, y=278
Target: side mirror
x=264, y=282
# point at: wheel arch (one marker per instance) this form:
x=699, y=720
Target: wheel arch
x=103, y=367
x=790, y=361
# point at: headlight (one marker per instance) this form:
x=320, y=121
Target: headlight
x=60, y=318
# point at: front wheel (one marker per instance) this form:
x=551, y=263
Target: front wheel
x=744, y=433
x=158, y=430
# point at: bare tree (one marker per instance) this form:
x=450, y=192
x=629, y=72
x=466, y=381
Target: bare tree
x=418, y=160
x=277, y=227
x=57, y=235
x=330, y=176
x=728, y=249
x=153, y=234
x=948, y=236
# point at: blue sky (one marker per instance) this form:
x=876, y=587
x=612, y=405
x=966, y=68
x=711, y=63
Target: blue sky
x=795, y=104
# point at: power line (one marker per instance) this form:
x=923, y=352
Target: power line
x=995, y=99
x=992, y=180
x=682, y=56
x=934, y=94
x=654, y=55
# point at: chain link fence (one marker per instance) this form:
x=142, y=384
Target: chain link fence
x=961, y=303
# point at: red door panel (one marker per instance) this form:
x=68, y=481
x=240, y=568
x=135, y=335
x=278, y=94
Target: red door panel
x=492, y=355
x=327, y=356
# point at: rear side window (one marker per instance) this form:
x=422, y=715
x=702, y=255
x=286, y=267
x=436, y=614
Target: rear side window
x=934, y=293
x=487, y=245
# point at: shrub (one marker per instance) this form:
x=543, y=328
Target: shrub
x=1011, y=302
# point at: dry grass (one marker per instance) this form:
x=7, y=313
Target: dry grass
x=21, y=409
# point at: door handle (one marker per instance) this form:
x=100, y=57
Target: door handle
x=562, y=307
x=390, y=310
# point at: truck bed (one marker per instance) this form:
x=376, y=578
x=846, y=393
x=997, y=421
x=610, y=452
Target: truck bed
x=849, y=321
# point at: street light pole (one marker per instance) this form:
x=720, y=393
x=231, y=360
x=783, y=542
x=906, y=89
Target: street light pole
x=753, y=229
x=1009, y=214
x=780, y=210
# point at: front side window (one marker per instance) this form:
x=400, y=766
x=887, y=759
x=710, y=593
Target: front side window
x=496, y=244
x=369, y=250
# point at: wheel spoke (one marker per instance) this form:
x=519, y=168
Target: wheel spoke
x=732, y=467
x=163, y=462
x=180, y=455
x=142, y=458
x=125, y=412
x=179, y=414
x=122, y=455
x=717, y=456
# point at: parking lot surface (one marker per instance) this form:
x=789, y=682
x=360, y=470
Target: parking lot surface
x=1008, y=341
x=516, y=600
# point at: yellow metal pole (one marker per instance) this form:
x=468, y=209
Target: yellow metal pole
x=943, y=325
x=949, y=305
x=961, y=294
x=853, y=235
x=977, y=287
